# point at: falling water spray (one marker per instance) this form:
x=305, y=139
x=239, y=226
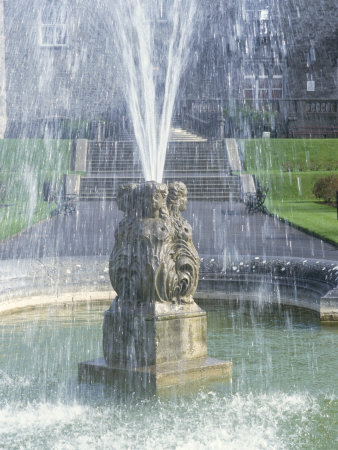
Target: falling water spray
x=154, y=50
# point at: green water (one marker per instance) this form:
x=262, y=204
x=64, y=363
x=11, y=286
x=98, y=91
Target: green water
x=284, y=392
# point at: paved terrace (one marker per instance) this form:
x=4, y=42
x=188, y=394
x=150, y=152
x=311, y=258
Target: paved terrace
x=68, y=251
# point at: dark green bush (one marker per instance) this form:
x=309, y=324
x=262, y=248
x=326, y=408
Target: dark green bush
x=326, y=188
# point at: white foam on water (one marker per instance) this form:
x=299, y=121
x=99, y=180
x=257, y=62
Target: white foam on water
x=37, y=417
x=6, y=380
x=271, y=421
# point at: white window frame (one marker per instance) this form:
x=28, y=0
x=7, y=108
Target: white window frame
x=280, y=89
x=253, y=81
x=259, y=15
x=311, y=86
x=256, y=88
x=55, y=28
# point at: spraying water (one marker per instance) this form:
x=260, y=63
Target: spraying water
x=154, y=47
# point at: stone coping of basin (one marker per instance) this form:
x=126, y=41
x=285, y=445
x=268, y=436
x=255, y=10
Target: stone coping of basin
x=312, y=283
x=20, y=303
x=28, y=283
x=325, y=271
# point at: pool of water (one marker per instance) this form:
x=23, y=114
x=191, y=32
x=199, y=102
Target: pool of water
x=284, y=392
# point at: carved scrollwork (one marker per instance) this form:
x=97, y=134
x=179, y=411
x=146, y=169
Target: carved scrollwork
x=154, y=259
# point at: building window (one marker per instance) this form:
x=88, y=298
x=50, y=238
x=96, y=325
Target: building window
x=53, y=25
x=249, y=87
x=263, y=87
x=256, y=13
x=310, y=85
x=277, y=87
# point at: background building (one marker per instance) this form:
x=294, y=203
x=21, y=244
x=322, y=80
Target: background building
x=264, y=65
x=268, y=65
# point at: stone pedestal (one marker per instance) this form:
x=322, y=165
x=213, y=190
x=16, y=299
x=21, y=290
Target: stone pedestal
x=153, y=334
x=147, y=348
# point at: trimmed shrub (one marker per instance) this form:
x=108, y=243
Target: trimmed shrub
x=326, y=188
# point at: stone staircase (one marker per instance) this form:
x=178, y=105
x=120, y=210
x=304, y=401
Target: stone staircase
x=202, y=165
x=180, y=135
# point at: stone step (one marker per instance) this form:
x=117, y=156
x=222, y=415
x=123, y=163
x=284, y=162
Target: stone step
x=191, y=188
x=116, y=155
x=202, y=165
x=107, y=168
x=113, y=190
x=169, y=158
x=101, y=193
x=178, y=134
x=217, y=162
x=133, y=145
x=129, y=147
x=199, y=188
x=196, y=178
x=192, y=197
x=132, y=154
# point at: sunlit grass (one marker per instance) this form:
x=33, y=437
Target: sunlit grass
x=291, y=185
x=24, y=166
x=15, y=218
x=290, y=168
x=291, y=154
x=318, y=218
x=34, y=154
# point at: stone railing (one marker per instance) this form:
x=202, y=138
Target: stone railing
x=302, y=117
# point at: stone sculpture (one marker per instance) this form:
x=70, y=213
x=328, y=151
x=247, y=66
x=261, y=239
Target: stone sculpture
x=154, y=334
x=154, y=258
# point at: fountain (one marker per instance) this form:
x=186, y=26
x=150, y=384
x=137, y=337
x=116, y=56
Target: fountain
x=154, y=334
x=268, y=290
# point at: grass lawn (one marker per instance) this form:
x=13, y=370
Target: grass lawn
x=315, y=217
x=17, y=217
x=290, y=167
x=294, y=154
x=24, y=166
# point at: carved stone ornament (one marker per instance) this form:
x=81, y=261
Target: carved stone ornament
x=154, y=258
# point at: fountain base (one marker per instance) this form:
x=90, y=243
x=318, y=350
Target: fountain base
x=152, y=378
x=154, y=334
x=165, y=345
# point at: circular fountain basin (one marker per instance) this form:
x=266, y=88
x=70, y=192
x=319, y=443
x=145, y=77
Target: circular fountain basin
x=283, y=393
x=305, y=283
